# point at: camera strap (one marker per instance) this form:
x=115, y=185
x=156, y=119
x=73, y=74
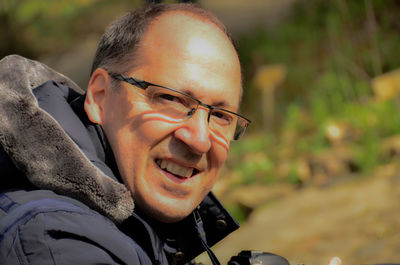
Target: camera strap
x=202, y=236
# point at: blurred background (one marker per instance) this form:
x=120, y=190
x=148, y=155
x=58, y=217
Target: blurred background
x=317, y=174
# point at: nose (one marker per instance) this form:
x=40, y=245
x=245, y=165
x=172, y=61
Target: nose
x=195, y=132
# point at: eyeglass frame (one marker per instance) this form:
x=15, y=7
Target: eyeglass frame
x=144, y=84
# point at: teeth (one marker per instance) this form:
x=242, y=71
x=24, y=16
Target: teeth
x=175, y=169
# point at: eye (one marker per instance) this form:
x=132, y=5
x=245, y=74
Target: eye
x=172, y=99
x=169, y=97
x=163, y=96
x=222, y=117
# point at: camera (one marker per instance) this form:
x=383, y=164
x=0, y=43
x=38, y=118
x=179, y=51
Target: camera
x=251, y=257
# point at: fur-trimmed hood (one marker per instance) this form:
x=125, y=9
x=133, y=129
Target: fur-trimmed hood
x=39, y=147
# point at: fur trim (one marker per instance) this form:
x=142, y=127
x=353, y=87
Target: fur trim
x=40, y=148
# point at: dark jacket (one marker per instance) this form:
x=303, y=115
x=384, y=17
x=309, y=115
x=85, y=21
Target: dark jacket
x=61, y=198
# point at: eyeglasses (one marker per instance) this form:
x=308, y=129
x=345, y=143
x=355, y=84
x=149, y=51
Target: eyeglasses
x=181, y=106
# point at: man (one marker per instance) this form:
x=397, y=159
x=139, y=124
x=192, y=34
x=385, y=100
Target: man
x=158, y=116
x=154, y=128
x=182, y=144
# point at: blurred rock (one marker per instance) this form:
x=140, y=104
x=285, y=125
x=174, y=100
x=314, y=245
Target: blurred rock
x=387, y=171
x=387, y=85
x=253, y=196
x=390, y=146
x=337, y=161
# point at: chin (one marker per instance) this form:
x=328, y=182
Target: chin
x=166, y=213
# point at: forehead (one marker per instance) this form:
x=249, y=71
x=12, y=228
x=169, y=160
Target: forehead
x=188, y=53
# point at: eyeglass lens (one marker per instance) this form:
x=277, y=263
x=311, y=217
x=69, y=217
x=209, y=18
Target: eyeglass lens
x=180, y=106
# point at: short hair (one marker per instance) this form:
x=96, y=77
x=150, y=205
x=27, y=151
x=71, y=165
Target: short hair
x=122, y=38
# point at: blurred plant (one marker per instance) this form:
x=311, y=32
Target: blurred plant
x=250, y=161
x=34, y=27
x=327, y=119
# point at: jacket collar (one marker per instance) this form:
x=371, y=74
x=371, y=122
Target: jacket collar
x=180, y=241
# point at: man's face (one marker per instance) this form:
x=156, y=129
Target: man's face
x=152, y=153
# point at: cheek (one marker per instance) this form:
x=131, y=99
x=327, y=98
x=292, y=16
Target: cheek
x=152, y=127
x=219, y=139
x=219, y=154
x=216, y=157
x=220, y=149
x=141, y=126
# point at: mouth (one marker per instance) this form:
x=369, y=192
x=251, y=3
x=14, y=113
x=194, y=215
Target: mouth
x=176, y=170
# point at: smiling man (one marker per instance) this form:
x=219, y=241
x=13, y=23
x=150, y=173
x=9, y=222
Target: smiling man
x=123, y=173
x=182, y=143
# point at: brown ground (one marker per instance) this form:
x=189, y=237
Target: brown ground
x=357, y=220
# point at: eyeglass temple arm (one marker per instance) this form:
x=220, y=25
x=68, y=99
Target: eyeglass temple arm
x=135, y=82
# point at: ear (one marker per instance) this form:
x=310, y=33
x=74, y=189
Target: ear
x=99, y=84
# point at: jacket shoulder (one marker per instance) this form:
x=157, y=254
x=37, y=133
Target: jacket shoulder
x=31, y=72
x=47, y=156
x=41, y=227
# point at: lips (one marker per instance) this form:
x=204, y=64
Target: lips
x=174, y=168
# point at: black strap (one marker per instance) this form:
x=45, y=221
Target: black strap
x=202, y=236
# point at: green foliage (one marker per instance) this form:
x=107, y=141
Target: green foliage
x=332, y=50
x=34, y=27
x=254, y=166
x=237, y=212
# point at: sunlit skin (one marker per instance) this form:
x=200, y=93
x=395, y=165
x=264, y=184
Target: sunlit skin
x=216, y=136
x=193, y=56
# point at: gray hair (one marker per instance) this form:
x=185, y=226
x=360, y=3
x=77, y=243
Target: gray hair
x=121, y=40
